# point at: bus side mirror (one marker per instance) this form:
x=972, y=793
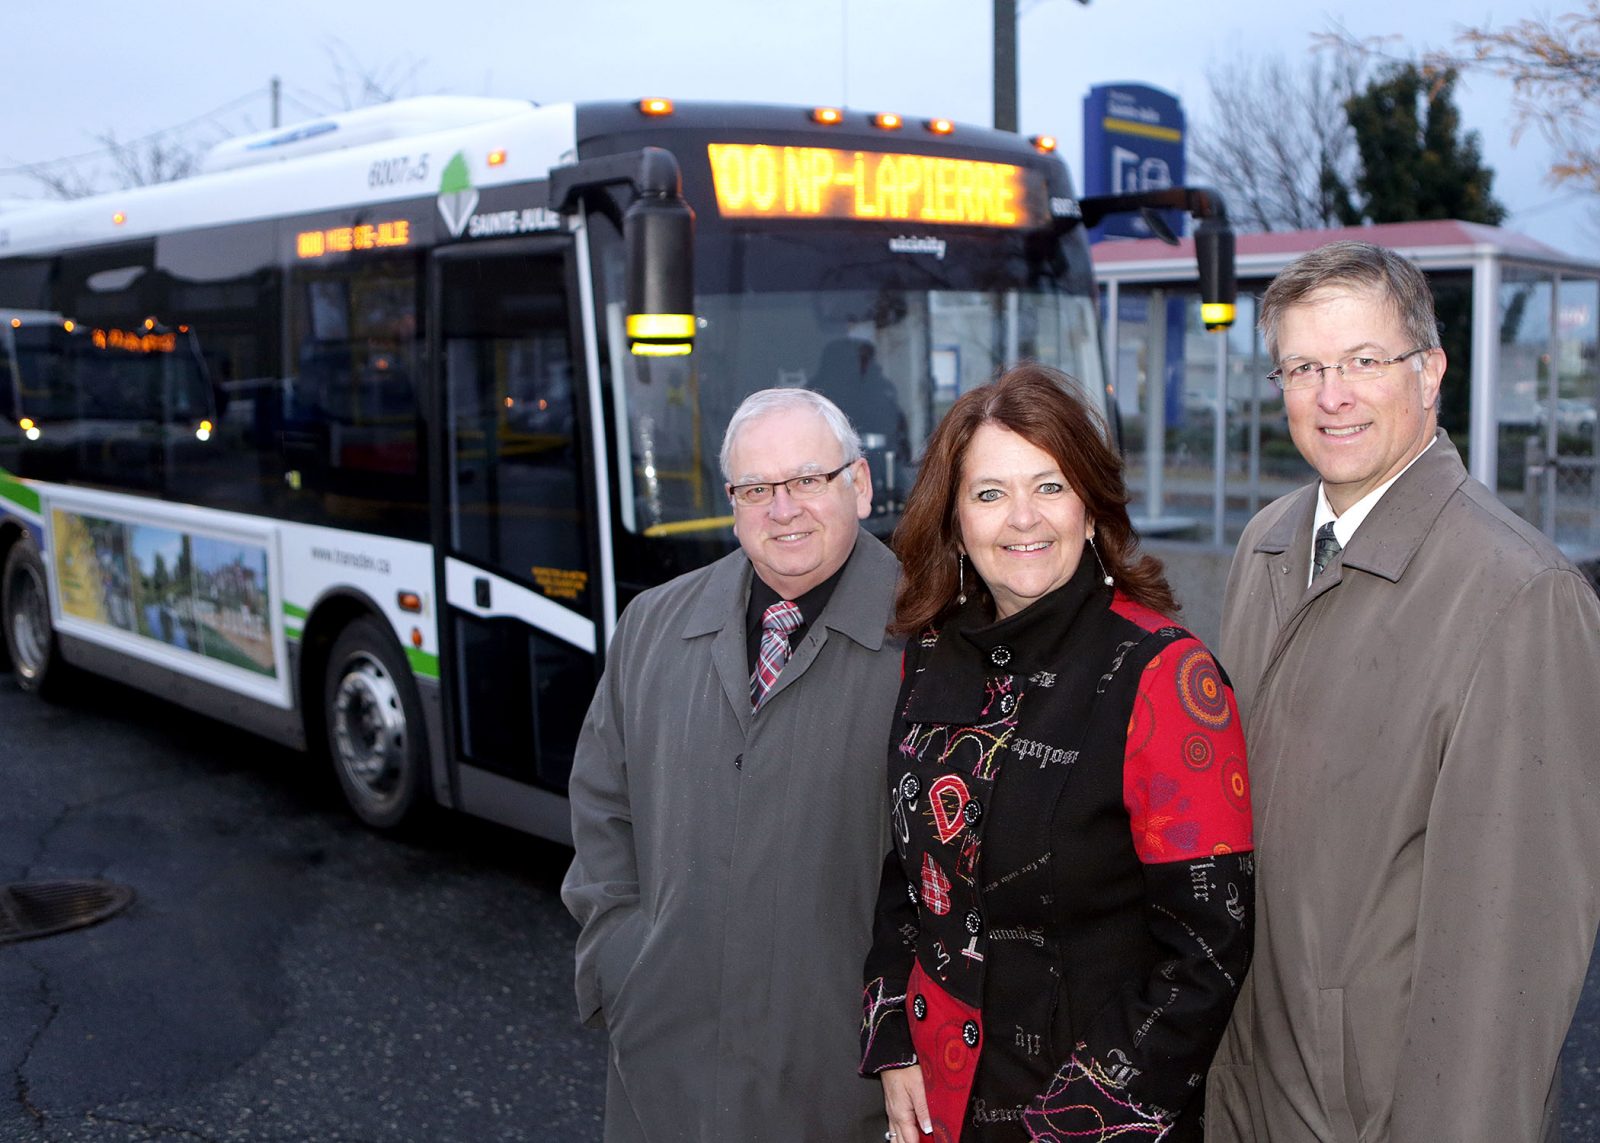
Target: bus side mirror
x=1213, y=253
x=658, y=229
x=658, y=233
x=1213, y=239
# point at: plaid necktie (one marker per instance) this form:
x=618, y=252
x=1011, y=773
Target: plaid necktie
x=776, y=623
x=1323, y=551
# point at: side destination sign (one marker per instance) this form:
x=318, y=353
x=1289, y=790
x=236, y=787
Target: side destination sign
x=759, y=181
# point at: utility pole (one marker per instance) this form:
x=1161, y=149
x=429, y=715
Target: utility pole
x=1005, y=65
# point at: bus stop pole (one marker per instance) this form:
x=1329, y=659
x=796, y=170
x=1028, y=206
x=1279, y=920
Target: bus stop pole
x=1219, y=446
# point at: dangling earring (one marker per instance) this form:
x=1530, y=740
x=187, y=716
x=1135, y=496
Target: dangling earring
x=1107, y=580
x=961, y=579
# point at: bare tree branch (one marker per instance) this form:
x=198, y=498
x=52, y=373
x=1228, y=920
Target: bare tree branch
x=1275, y=134
x=1553, y=64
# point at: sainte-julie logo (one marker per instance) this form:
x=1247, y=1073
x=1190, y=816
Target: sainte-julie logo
x=458, y=198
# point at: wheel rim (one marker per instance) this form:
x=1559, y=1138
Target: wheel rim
x=30, y=623
x=369, y=730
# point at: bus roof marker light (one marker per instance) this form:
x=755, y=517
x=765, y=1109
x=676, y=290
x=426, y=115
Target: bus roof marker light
x=16, y=323
x=887, y=120
x=1044, y=144
x=497, y=157
x=827, y=116
x=656, y=106
x=118, y=218
x=941, y=126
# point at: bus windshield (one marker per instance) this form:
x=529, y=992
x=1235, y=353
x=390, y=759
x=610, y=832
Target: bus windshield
x=893, y=358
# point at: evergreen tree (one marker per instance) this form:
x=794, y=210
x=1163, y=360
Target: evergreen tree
x=1416, y=162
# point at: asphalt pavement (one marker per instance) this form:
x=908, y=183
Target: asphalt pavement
x=283, y=974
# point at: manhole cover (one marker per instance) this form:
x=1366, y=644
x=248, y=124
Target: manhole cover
x=31, y=909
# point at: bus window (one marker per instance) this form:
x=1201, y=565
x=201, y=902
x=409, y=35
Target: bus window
x=893, y=362
x=223, y=288
x=352, y=419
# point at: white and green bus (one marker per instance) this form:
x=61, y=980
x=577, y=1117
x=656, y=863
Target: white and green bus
x=362, y=437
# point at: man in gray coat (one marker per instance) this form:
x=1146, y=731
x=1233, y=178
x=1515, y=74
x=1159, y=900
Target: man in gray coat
x=729, y=807
x=1419, y=675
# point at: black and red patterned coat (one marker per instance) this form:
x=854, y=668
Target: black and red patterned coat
x=1065, y=915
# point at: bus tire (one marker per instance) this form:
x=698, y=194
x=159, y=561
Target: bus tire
x=375, y=733
x=25, y=613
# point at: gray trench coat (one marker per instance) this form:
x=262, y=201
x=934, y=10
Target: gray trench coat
x=1424, y=734
x=727, y=866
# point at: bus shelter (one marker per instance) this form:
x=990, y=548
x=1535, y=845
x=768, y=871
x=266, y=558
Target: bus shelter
x=1204, y=431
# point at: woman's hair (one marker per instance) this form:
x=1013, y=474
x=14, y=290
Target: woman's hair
x=1042, y=406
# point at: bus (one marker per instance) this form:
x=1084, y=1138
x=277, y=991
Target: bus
x=362, y=437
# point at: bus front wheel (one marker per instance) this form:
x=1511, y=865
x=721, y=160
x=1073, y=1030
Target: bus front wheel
x=374, y=719
x=25, y=613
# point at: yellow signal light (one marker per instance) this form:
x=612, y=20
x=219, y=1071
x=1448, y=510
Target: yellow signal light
x=1216, y=315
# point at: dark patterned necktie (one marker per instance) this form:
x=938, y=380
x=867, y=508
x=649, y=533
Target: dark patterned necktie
x=1326, y=547
x=776, y=623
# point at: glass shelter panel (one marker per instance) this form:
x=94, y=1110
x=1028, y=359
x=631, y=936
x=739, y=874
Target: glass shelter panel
x=1546, y=400
x=1203, y=430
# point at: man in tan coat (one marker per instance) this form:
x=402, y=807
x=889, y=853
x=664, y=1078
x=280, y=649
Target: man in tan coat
x=1419, y=674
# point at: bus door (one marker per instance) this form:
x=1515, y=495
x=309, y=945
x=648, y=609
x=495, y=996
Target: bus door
x=514, y=521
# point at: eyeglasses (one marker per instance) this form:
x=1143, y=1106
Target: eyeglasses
x=802, y=487
x=1358, y=367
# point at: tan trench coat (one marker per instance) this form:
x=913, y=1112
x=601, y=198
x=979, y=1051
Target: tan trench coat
x=1424, y=733
x=727, y=866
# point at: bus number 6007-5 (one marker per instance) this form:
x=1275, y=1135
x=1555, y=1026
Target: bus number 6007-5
x=393, y=172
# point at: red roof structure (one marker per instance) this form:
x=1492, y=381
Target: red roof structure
x=1427, y=243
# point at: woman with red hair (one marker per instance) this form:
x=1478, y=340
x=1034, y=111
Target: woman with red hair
x=1065, y=914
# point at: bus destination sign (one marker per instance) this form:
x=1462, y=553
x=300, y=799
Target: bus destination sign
x=344, y=239
x=759, y=181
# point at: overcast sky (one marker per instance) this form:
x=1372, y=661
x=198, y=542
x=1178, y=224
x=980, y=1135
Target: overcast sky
x=75, y=72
